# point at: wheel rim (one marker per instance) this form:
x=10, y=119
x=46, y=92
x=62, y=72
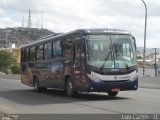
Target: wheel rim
x=69, y=88
x=36, y=85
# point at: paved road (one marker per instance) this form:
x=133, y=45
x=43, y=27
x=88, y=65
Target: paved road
x=17, y=98
x=149, y=82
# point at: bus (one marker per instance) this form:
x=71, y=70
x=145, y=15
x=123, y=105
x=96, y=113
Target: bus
x=84, y=60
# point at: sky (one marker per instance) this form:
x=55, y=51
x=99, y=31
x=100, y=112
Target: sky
x=69, y=15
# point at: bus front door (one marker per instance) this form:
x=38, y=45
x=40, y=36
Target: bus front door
x=78, y=66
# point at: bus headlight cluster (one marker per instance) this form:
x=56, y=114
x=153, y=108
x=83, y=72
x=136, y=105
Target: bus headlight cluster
x=134, y=77
x=94, y=78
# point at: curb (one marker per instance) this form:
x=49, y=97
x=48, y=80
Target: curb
x=13, y=77
x=149, y=87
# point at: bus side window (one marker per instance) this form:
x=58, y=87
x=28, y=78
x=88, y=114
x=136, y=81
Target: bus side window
x=48, y=51
x=57, y=49
x=68, y=49
x=22, y=56
x=40, y=52
x=77, y=54
x=83, y=56
x=32, y=54
x=26, y=55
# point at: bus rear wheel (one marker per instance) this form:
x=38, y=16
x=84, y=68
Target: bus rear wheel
x=70, y=88
x=36, y=86
x=112, y=94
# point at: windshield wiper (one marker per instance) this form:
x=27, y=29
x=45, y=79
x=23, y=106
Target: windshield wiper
x=120, y=56
x=110, y=53
x=125, y=63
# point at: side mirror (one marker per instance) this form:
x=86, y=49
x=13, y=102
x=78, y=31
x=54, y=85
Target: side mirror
x=134, y=42
x=84, y=38
x=82, y=55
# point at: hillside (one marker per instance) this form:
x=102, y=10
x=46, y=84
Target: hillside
x=20, y=36
x=148, y=50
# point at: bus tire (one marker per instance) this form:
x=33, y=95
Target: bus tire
x=70, y=88
x=36, y=86
x=112, y=94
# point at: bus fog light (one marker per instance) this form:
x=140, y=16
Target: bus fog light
x=92, y=88
x=135, y=86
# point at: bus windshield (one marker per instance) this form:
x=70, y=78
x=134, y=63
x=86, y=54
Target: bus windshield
x=111, y=51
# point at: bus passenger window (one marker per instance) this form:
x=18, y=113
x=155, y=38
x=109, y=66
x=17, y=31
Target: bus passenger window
x=32, y=54
x=26, y=55
x=68, y=49
x=83, y=56
x=40, y=52
x=48, y=51
x=22, y=56
x=77, y=54
x=57, y=49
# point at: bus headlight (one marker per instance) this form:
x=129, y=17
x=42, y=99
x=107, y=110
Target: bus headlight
x=134, y=77
x=94, y=78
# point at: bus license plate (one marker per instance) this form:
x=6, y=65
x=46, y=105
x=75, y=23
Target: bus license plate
x=115, y=89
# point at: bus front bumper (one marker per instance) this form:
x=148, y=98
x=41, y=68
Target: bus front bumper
x=112, y=85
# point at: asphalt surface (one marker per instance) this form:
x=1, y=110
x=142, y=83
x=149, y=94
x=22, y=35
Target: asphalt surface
x=149, y=82
x=16, y=98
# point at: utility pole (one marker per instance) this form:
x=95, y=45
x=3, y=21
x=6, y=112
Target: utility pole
x=145, y=29
x=155, y=49
x=6, y=39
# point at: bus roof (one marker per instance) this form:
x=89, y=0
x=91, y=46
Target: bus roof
x=106, y=31
x=79, y=31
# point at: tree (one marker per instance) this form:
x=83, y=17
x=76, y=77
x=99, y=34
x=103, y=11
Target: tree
x=139, y=57
x=6, y=60
x=16, y=69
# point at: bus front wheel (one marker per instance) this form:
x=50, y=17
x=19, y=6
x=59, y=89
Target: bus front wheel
x=112, y=94
x=70, y=88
